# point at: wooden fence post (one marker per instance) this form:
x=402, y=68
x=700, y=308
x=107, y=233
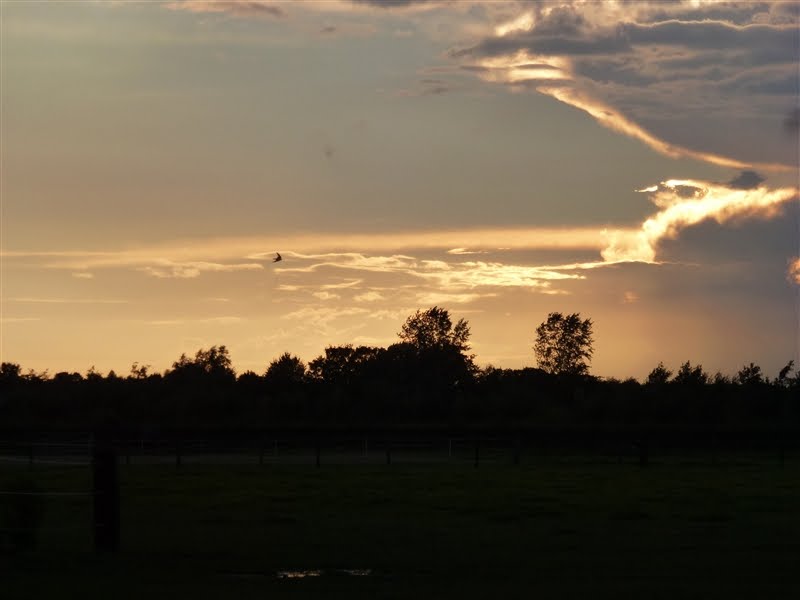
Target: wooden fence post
x=106, y=494
x=644, y=457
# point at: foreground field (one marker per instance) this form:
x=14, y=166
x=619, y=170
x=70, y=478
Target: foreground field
x=566, y=530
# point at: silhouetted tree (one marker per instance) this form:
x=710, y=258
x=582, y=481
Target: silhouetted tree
x=659, y=376
x=689, y=375
x=286, y=370
x=783, y=376
x=343, y=365
x=211, y=366
x=93, y=375
x=139, y=371
x=434, y=329
x=720, y=379
x=749, y=375
x=64, y=378
x=564, y=344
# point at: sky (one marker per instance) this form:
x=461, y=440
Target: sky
x=636, y=162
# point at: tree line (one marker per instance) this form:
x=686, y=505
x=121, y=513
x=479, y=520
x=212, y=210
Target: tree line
x=428, y=376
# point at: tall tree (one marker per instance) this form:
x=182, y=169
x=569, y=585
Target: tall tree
x=659, y=376
x=750, y=375
x=212, y=365
x=691, y=375
x=285, y=370
x=564, y=344
x=342, y=365
x=433, y=328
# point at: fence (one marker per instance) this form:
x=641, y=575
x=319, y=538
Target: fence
x=106, y=455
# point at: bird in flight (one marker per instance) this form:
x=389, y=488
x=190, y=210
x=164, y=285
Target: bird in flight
x=278, y=257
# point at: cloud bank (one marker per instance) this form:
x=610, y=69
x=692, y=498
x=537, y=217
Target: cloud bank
x=627, y=64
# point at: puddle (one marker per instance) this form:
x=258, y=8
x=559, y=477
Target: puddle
x=300, y=574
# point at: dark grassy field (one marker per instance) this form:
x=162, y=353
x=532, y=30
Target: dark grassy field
x=556, y=529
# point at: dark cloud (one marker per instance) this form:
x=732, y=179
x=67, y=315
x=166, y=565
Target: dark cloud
x=239, y=8
x=792, y=122
x=713, y=35
x=266, y=9
x=437, y=90
x=738, y=14
x=746, y=180
x=552, y=45
x=328, y=151
x=781, y=82
x=396, y=3
x=328, y=29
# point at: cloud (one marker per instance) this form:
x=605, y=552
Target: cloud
x=793, y=272
x=371, y=296
x=238, y=8
x=746, y=180
x=83, y=275
x=463, y=251
x=216, y=250
x=400, y=4
x=476, y=274
x=792, y=122
x=321, y=319
x=189, y=270
x=224, y=320
x=19, y=319
x=630, y=297
x=635, y=67
x=616, y=121
x=445, y=298
x=33, y=300
x=326, y=296
x=684, y=203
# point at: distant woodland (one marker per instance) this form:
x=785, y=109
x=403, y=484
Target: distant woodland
x=427, y=377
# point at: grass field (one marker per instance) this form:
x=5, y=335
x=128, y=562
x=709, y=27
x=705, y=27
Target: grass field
x=565, y=530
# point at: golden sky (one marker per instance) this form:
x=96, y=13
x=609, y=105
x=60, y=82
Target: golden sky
x=636, y=163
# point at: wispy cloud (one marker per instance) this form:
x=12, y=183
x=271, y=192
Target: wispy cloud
x=684, y=203
x=240, y=8
x=793, y=273
x=616, y=121
x=189, y=270
x=627, y=63
x=370, y=296
x=444, y=298
x=34, y=300
x=200, y=255
x=324, y=295
x=19, y=319
x=222, y=320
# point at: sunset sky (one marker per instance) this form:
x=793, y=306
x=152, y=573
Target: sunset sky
x=635, y=162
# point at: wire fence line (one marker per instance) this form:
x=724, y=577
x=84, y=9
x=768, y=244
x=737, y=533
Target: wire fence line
x=367, y=451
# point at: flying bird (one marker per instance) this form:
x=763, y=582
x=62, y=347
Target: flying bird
x=278, y=257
